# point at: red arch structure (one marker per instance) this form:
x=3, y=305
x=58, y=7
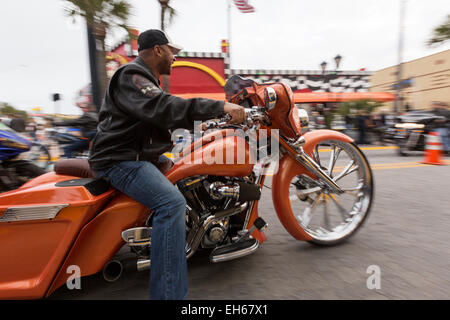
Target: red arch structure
x=203, y=74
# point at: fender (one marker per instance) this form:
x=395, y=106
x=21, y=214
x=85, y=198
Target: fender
x=100, y=239
x=289, y=168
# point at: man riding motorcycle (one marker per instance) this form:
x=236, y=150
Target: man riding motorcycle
x=88, y=125
x=133, y=133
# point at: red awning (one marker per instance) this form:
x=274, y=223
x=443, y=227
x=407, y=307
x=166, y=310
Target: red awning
x=305, y=97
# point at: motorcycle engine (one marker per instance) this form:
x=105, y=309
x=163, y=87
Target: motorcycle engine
x=207, y=195
x=215, y=234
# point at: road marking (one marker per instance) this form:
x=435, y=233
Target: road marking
x=397, y=165
x=368, y=148
x=380, y=148
x=400, y=167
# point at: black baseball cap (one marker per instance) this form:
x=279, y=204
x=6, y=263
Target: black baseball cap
x=148, y=39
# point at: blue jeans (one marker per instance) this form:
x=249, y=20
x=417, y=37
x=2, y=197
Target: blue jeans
x=143, y=182
x=444, y=133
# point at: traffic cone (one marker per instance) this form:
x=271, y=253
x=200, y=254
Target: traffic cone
x=433, y=149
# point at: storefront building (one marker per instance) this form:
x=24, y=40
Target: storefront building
x=424, y=80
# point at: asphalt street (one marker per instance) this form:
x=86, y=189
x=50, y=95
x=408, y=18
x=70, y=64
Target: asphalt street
x=405, y=239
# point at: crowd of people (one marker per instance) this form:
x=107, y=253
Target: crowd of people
x=369, y=127
x=366, y=127
x=372, y=127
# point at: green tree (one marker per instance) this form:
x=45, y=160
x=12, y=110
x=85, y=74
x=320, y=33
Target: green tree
x=167, y=14
x=364, y=104
x=102, y=16
x=441, y=33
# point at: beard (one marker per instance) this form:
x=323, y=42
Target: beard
x=166, y=67
x=167, y=70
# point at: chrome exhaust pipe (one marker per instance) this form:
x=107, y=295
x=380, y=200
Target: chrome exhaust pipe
x=113, y=270
x=143, y=264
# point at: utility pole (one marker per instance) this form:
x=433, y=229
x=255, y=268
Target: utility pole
x=398, y=101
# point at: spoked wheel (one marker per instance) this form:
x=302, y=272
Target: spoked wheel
x=330, y=218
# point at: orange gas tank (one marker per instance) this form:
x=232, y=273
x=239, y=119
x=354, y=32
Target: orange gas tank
x=223, y=156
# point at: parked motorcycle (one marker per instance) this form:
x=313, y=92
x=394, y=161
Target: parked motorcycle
x=64, y=136
x=14, y=170
x=67, y=222
x=411, y=129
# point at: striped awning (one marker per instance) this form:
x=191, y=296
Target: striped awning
x=312, y=97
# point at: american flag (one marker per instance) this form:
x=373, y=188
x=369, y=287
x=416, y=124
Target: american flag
x=243, y=6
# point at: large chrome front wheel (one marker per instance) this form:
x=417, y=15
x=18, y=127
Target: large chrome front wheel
x=327, y=217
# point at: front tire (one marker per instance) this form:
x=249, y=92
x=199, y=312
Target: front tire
x=330, y=218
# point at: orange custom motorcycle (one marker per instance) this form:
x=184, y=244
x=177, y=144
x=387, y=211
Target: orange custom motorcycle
x=322, y=189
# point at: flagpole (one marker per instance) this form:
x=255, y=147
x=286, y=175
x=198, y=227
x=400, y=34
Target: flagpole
x=229, y=32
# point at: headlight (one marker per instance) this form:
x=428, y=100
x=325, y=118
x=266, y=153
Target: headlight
x=270, y=98
x=408, y=125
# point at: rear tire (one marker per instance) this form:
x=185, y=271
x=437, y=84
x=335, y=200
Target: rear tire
x=20, y=172
x=26, y=171
x=29, y=170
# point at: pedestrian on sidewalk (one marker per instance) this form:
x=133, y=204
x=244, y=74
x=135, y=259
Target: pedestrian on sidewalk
x=362, y=119
x=442, y=109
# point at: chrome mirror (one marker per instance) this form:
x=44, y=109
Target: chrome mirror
x=270, y=98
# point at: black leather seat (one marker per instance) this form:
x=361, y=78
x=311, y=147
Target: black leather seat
x=80, y=167
x=74, y=167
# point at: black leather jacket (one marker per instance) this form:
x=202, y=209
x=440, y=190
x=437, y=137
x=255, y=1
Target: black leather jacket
x=136, y=116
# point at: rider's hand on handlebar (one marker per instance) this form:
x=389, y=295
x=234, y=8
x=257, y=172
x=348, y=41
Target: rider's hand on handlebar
x=236, y=112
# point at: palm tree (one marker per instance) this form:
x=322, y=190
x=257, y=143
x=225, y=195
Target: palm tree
x=166, y=9
x=441, y=33
x=101, y=17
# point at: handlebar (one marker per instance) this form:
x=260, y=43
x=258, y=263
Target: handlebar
x=254, y=115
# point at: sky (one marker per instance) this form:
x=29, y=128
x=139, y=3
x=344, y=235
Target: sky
x=45, y=52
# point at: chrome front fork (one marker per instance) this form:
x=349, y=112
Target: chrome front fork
x=303, y=158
